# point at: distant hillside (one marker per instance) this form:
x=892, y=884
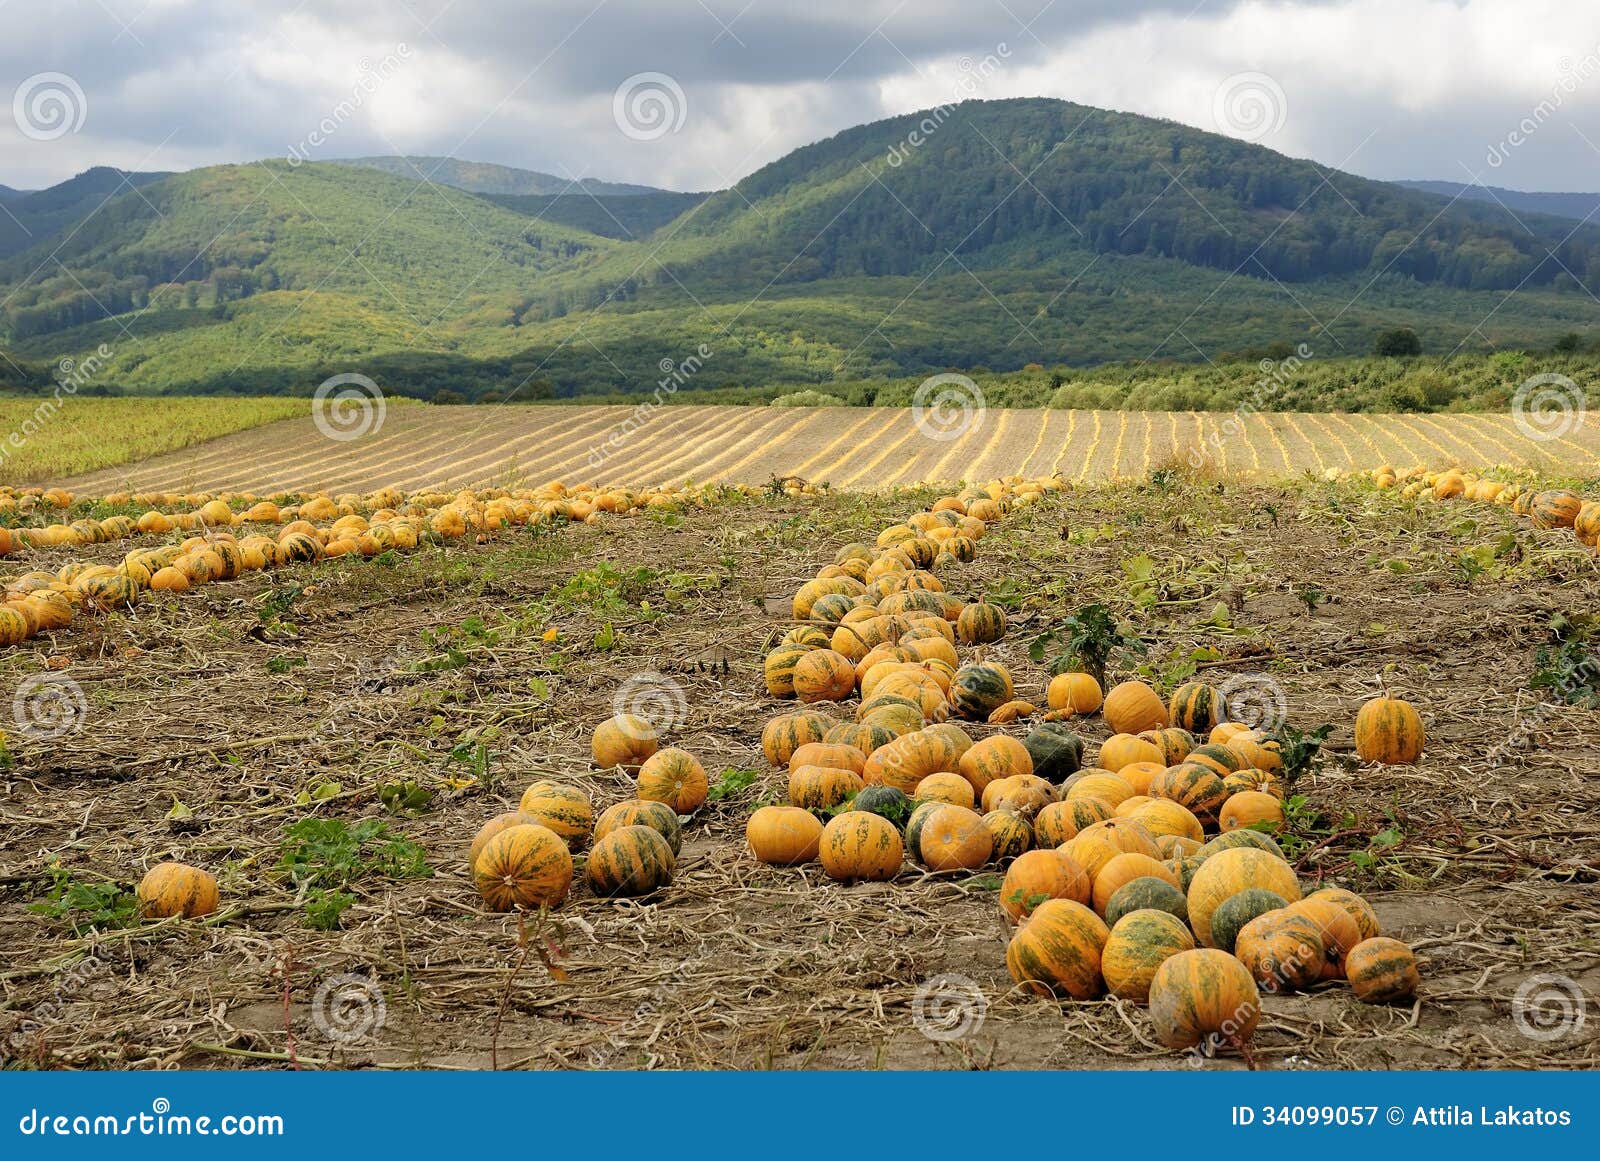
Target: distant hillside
x=32, y=215
x=484, y=178
x=627, y=216
x=1018, y=233
x=1577, y=206
x=7, y=194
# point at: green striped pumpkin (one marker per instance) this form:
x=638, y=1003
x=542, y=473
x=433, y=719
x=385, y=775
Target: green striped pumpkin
x=864, y=736
x=807, y=635
x=778, y=668
x=1381, y=971
x=1235, y=839
x=1191, y=785
x=629, y=862
x=1235, y=911
x=1220, y=759
x=564, y=809
x=1146, y=893
x=786, y=733
x=976, y=691
x=1195, y=707
x=832, y=607
x=822, y=787
x=1010, y=834
x=658, y=816
x=980, y=624
x=1139, y=943
x=1058, y=950
x=914, y=826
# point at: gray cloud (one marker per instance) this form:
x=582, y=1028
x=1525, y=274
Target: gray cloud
x=1410, y=87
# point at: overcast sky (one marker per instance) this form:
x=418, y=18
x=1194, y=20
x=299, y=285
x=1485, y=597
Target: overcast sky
x=694, y=94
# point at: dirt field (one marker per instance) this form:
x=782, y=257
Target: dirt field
x=220, y=720
x=846, y=447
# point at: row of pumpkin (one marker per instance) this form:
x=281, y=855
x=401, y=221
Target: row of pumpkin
x=43, y=601
x=1114, y=873
x=1546, y=507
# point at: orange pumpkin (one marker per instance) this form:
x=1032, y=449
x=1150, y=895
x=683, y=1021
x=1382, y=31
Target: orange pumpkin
x=1164, y=817
x=1283, y=952
x=675, y=777
x=1203, y=994
x=493, y=827
x=1057, y=822
x=860, y=845
x=1338, y=929
x=1251, y=808
x=1139, y=943
x=1106, y=787
x=824, y=675
x=1058, y=950
x=994, y=758
x=1074, y=693
x=1382, y=971
x=947, y=788
x=1228, y=872
x=625, y=740
x=1389, y=730
x=833, y=754
x=1132, y=707
x=1139, y=775
x=783, y=836
x=170, y=889
x=822, y=787
x=786, y=733
x=1039, y=875
x=524, y=866
x=629, y=862
x=1123, y=869
x=1121, y=750
x=1357, y=908
x=954, y=838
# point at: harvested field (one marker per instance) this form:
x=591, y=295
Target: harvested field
x=221, y=720
x=857, y=448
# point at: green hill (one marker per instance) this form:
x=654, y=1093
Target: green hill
x=1016, y=233
x=1579, y=207
x=485, y=178
x=33, y=215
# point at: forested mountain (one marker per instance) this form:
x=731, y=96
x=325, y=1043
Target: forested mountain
x=34, y=215
x=990, y=234
x=485, y=178
x=1579, y=207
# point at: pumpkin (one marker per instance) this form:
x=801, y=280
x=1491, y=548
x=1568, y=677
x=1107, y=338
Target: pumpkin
x=564, y=809
x=1157, y=892
x=1123, y=869
x=1024, y=796
x=1038, y=875
x=1010, y=836
x=1338, y=928
x=1360, y=910
x=1139, y=775
x=1057, y=822
x=1174, y=744
x=1253, y=779
x=524, y=866
x=822, y=787
x=824, y=675
x=1389, y=730
x=170, y=889
x=1074, y=693
x=1195, y=707
x=1058, y=950
x=1234, y=839
x=1381, y=971
x=885, y=801
x=1201, y=994
x=783, y=836
x=1107, y=788
x=1132, y=707
x=1139, y=943
x=860, y=845
x=907, y=760
x=638, y=812
x=1252, y=808
x=1162, y=817
x=1121, y=750
x=954, y=838
x=1555, y=509
x=994, y=758
x=493, y=827
x=828, y=754
x=979, y=624
x=1097, y=845
x=1056, y=751
x=675, y=777
x=1195, y=787
x=1258, y=751
x=1174, y=846
x=778, y=668
x=863, y=736
x=1185, y=867
x=786, y=733
x=629, y=862
x=625, y=740
x=808, y=635
x=1237, y=910
x=1229, y=872
x=1283, y=951
x=951, y=789
x=976, y=691
x=1220, y=758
